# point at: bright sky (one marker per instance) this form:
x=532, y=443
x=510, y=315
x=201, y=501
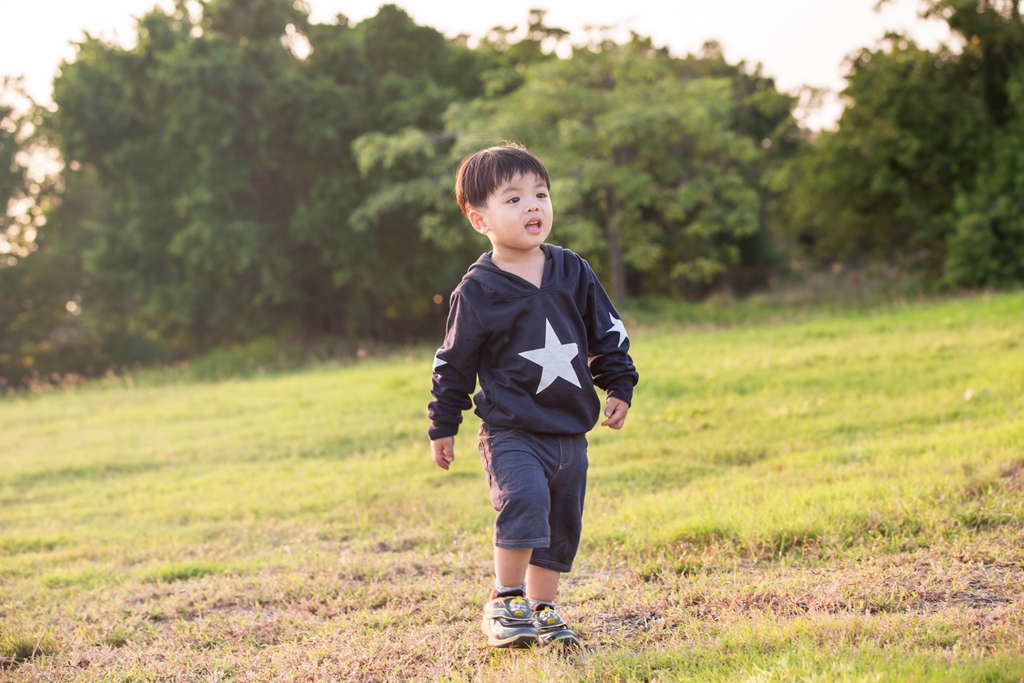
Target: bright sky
x=799, y=42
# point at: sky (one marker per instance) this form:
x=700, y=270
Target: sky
x=797, y=42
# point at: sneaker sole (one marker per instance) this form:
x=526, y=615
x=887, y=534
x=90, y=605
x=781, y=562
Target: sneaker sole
x=565, y=641
x=522, y=640
x=524, y=637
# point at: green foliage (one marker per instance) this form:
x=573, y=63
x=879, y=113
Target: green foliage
x=28, y=185
x=228, y=160
x=255, y=358
x=925, y=165
x=882, y=185
x=993, y=31
x=658, y=163
x=651, y=176
x=57, y=321
x=15, y=136
x=242, y=173
x=43, y=335
x=986, y=248
x=617, y=133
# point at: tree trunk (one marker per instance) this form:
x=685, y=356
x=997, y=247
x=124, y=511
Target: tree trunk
x=616, y=259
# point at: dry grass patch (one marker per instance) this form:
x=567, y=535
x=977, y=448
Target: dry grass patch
x=378, y=612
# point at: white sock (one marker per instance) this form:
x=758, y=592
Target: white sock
x=508, y=589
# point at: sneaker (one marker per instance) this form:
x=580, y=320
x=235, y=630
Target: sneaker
x=552, y=630
x=507, y=623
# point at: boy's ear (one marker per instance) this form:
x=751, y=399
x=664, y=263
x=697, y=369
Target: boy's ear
x=478, y=221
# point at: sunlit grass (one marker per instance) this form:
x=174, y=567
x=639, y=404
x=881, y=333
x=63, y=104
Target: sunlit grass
x=835, y=498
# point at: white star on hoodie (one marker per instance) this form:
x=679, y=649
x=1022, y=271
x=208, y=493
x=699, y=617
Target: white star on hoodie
x=617, y=326
x=555, y=358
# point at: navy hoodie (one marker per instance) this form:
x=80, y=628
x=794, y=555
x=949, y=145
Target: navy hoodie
x=538, y=352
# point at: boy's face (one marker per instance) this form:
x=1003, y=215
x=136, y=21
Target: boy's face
x=517, y=216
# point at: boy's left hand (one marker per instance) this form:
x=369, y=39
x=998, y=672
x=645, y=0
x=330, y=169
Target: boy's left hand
x=615, y=410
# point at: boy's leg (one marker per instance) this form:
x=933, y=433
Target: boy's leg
x=524, y=471
x=542, y=584
x=510, y=565
x=567, y=489
x=567, y=494
x=517, y=482
x=541, y=591
x=508, y=619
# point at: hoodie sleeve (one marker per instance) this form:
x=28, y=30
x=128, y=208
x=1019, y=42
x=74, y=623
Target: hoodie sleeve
x=455, y=369
x=609, y=360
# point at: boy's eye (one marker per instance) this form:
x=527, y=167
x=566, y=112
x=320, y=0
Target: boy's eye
x=513, y=200
x=542, y=195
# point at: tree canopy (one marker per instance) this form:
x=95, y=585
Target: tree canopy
x=228, y=159
x=924, y=169
x=242, y=172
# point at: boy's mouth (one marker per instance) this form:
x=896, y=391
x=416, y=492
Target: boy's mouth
x=533, y=226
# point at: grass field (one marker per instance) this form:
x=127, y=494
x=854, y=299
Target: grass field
x=833, y=497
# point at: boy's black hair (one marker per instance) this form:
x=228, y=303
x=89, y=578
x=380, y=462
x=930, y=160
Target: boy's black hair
x=482, y=173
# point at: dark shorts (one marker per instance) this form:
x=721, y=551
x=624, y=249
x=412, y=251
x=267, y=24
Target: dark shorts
x=538, y=483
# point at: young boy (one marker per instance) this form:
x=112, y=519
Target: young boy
x=534, y=324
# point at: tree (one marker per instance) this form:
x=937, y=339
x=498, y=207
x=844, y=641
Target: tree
x=765, y=116
x=57, y=320
x=22, y=196
x=986, y=247
x=407, y=214
x=716, y=128
x=648, y=174
x=923, y=167
x=986, y=244
x=993, y=33
x=27, y=192
x=881, y=186
x=228, y=157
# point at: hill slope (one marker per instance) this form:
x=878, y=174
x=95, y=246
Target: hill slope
x=834, y=499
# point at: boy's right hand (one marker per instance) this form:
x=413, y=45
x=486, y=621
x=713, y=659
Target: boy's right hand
x=443, y=451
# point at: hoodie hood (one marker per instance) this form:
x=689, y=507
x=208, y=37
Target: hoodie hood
x=560, y=266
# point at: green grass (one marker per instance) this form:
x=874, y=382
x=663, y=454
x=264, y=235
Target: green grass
x=836, y=496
